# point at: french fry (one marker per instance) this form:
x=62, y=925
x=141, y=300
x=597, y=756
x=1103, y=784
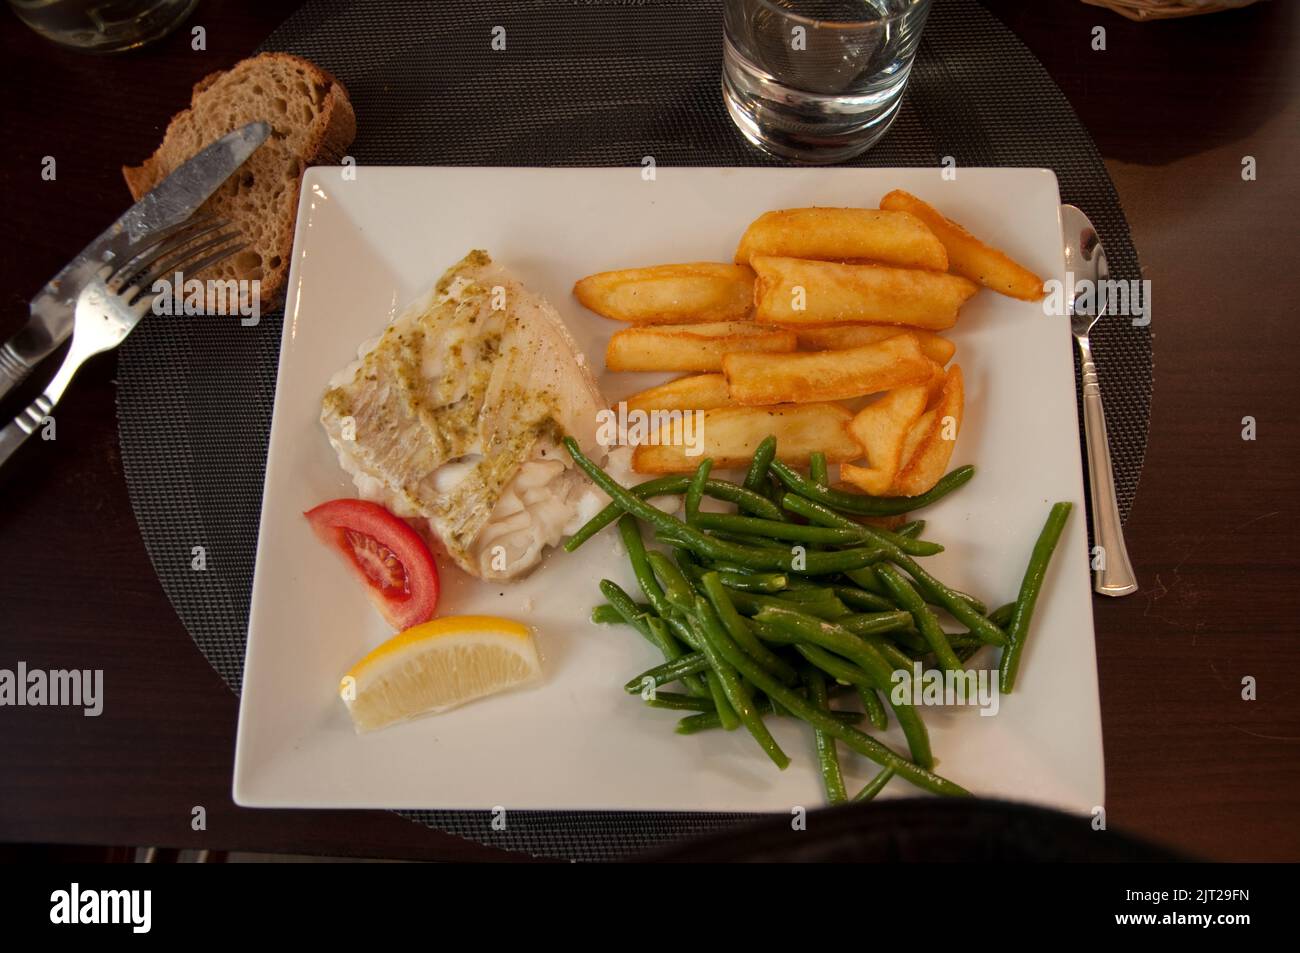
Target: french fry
x=699, y=347
x=756, y=379
x=931, y=440
x=670, y=294
x=844, y=234
x=882, y=428
x=729, y=435
x=839, y=337
x=967, y=255
x=914, y=437
x=708, y=329
x=697, y=392
x=796, y=292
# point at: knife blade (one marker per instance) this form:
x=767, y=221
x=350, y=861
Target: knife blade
x=170, y=203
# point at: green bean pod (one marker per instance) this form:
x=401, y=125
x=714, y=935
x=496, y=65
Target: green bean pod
x=828, y=758
x=771, y=557
x=606, y=614
x=870, y=505
x=706, y=721
x=677, y=591
x=678, y=533
x=695, y=490
x=817, y=472
x=760, y=582
x=1030, y=586
x=926, y=621
x=874, y=707
x=738, y=696
x=746, y=580
x=867, y=580
x=652, y=628
x=875, y=623
x=630, y=533
x=806, y=591
x=958, y=604
x=754, y=542
x=866, y=656
x=718, y=692
x=771, y=529
x=631, y=614
x=693, y=684
x=756, y=477
x=828, y=519
x=689, y=566
x=875, y=785
x=755, y=503
x=911, y=529
x=864, y=744
x=823, y=608
x=1001, y=616
x=842, y=670
x=678, y=702
x=738, y=628
x=861, y=599
x=693, y=663
x=910, y=638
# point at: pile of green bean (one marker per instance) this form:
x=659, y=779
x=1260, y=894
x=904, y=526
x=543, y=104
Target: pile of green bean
x=788, y=603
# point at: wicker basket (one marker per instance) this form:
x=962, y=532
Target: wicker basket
x=1164, y=9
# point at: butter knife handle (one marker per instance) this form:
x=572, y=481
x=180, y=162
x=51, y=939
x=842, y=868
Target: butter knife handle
x=1115, y=577
x=23, y=426
x=13, y=370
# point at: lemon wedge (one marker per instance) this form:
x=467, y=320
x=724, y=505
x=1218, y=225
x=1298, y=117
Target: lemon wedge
x=438, y=665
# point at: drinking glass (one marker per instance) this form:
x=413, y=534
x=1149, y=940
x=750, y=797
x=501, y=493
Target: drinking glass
x=102, y=26
x=817, y=80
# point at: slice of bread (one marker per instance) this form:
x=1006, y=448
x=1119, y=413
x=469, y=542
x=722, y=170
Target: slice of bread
x=312, y=123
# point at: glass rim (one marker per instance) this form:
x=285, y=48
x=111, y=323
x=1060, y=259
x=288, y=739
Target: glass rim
x=789, y=14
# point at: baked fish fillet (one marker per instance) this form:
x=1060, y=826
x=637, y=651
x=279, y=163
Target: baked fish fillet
x=453, y=418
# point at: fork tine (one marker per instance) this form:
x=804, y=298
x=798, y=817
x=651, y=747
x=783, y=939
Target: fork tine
x=140, y=292
x=216, y=257
x=164, y=243
x=153, y=238
x=127, y=249
x=144, y=280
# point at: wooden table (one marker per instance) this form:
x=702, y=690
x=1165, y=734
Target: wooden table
x=1174, y=107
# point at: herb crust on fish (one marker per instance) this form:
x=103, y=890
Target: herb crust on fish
x=453, y=418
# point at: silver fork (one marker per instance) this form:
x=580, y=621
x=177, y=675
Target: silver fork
x=112, y=303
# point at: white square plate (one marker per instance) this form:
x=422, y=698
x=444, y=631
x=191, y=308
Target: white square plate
x=364, y=247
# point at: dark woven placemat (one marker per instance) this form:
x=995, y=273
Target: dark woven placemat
x=582, y=83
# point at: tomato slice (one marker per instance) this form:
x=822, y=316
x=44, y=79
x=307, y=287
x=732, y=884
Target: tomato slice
x=388, y=556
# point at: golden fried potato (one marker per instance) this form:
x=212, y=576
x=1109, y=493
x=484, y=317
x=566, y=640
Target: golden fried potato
x=670, y=294
x=967, y=255
x=840, y=336
x=882, y=429
x=731, y=434
x=796, y=292
x=929, y=446
x=755, y=379
x=697, y=392
x=916, y=434
x=844, y=234
x=697, y=347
